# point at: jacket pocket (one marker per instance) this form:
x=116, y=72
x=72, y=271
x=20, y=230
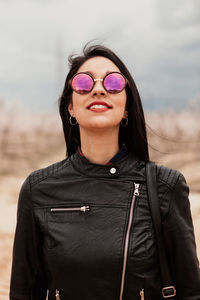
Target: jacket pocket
x=66, y=214
x=71, y=225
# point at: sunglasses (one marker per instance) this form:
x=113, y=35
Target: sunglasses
x=113, y=82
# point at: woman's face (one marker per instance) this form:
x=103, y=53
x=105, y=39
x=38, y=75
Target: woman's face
x=89, y=117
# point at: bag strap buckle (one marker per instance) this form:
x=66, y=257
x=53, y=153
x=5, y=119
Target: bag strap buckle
x=168, y=291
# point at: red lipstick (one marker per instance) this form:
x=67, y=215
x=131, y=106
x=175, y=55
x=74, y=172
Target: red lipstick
x=99, y=106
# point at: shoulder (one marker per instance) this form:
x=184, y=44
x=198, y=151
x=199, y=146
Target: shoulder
x=25, y=195
x=172, y=189
x=43, y=173
x=169, y=176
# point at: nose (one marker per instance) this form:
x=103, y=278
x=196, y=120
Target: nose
x=98, y=88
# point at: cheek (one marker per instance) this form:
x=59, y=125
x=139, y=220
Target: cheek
x=75, y=101
x=79, y=103
x=121, y=101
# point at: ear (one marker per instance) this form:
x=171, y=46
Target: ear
x=70, y=109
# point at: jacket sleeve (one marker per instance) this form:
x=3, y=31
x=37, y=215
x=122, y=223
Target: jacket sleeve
x=180, y=243
x=27, y=279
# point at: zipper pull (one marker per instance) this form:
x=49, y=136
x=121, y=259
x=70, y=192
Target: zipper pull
x=142, y=294
x=85, y=208
x=57, y=295
x=136, y=191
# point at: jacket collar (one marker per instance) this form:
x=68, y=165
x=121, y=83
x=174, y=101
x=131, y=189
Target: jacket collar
x=128, y=167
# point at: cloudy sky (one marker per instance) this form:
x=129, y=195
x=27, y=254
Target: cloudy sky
x=157, y=39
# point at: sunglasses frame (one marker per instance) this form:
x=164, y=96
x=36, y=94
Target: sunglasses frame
x=98, y=79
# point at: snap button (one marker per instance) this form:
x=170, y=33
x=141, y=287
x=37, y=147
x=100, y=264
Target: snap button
x=113, y=170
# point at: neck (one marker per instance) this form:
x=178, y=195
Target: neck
x=99, y=147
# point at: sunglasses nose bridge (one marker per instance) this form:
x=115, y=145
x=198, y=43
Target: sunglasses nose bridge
x=98, y=79
x=96, y=86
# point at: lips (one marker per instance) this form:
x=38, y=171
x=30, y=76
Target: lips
x=99, y=104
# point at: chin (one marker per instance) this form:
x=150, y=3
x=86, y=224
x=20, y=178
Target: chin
x=101, y=125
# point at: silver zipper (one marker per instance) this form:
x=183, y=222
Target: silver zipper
x=142, y=294
x=82, y=208
x=57, y=295
x=135, y=193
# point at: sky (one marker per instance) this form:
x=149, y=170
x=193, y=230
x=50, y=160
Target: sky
x=158, y=40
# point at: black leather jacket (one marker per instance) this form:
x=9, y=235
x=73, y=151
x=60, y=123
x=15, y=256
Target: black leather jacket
x=84, y=232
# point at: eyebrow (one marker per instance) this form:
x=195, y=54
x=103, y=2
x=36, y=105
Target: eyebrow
x=91, y=73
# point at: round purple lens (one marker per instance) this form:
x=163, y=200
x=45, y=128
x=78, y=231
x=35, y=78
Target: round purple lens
x=82, y=83
x=114, y=82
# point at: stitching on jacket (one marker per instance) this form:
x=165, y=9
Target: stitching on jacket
x=172, y=191
x=41, y=174
x=166, y=183
x=175, y=176
x=167, y=176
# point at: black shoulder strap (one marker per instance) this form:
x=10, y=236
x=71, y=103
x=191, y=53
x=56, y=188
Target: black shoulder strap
x=168, y=289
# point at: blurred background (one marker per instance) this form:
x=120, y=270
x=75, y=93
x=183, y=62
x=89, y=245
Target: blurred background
x=159, y=41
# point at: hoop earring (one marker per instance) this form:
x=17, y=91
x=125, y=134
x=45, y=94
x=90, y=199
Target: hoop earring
x=71, y=122
x=125, y=123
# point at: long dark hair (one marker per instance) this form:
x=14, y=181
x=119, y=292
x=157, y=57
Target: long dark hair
x=134, y=134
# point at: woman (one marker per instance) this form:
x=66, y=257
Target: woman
x=84, y=228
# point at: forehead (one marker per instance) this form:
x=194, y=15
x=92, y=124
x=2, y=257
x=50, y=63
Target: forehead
x=98, y=65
